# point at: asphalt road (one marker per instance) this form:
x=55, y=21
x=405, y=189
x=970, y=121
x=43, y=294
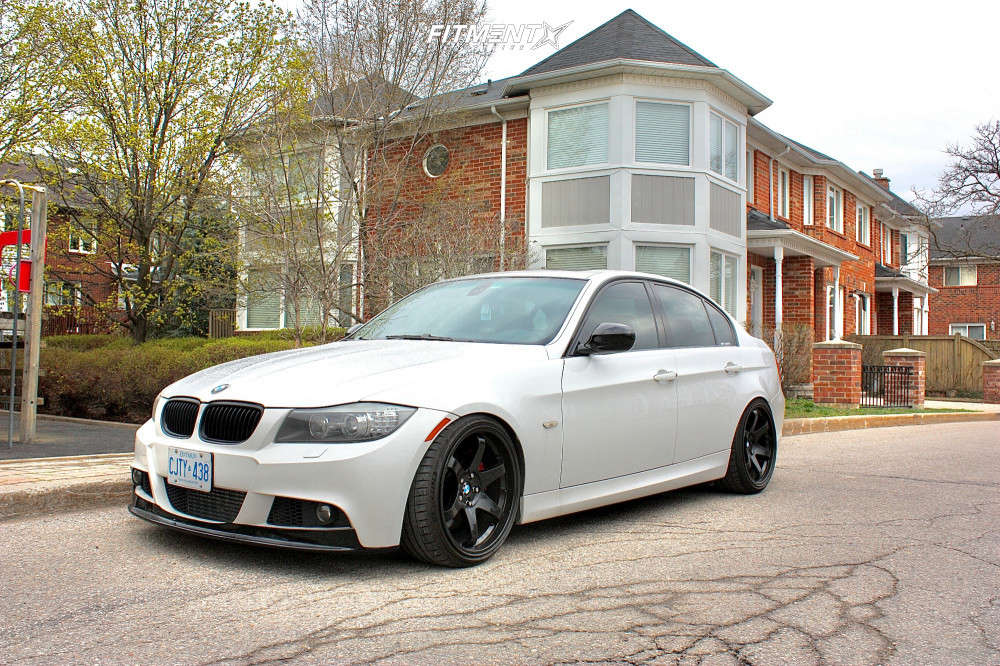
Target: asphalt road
x=875, y=546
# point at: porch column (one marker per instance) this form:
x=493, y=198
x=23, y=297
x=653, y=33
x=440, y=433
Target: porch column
x=779, y=257
x=925, y=323
x=838, y=307
x=895, y=310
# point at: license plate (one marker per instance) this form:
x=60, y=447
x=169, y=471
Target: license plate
x=189, y=469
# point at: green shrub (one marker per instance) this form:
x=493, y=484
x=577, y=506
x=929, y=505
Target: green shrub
x=107, y=377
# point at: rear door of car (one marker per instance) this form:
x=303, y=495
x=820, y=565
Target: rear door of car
x=708, y=361
x=619, y=409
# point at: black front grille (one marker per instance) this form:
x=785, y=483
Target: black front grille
x=218, y=504
x=291, y=512
x=179, y=415
x=229, y=423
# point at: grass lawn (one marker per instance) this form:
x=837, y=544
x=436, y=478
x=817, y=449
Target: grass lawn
x=800, y=408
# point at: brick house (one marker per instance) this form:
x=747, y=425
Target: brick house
x=628, y=150
x=72, y=287
x=965, y=269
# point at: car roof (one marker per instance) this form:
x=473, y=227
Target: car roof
x=601, y=275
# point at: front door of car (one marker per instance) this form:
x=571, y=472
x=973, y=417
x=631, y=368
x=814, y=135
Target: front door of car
x=711, y=395
x=619, y=409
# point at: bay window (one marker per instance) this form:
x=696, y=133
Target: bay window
x=662, y=133
x=668, y=261
x=578, y=136
x=580, y=258
x=724, y=139
x=723, y=280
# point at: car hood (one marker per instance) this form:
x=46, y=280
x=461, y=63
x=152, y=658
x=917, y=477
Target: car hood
x=348, y=371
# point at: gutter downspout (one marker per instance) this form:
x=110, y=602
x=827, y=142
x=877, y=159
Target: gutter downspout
x=770, y=179
x=503, y=184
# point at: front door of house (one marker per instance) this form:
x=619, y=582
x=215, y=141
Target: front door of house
x=757, y=301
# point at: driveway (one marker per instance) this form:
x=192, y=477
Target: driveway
x=874, y=546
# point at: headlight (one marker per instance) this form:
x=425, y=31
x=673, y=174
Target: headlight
x=359, y=422
x=156, y=405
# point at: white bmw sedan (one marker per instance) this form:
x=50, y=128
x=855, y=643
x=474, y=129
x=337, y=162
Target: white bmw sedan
x=468, y=406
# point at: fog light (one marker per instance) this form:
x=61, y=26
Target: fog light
x=136, y=477
x=324, y=513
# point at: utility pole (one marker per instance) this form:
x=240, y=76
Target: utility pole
x=33, y=334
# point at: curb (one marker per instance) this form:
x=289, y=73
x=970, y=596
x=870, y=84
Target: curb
x=71, y=497
x=76, y=419
x=793, y=427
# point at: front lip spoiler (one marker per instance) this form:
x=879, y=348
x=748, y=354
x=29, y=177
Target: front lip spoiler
x=236, y=537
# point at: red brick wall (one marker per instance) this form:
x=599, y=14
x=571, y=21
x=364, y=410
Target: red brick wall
x=918, y=380
x=837, y=374
x=991, y=381
x=965, y=305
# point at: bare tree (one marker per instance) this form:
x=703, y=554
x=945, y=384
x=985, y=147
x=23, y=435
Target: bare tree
x=382, y=88
x=970, y=184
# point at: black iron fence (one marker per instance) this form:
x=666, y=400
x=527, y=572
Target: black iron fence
x=886, y=386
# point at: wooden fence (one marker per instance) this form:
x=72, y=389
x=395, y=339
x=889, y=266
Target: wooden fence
x=221, y=323
x=954, y=362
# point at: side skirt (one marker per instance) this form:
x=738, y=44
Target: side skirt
x=552, y=503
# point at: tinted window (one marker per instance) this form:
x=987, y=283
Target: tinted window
x=623, y=303
x=511, y=310
x=685, y=317
x=724, y=334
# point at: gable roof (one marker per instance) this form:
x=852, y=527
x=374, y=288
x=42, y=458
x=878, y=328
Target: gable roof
x=627, y=36
x=965, y=236
x=898, y=204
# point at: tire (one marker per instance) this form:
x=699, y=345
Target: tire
x=465, y=495
x=754, y=451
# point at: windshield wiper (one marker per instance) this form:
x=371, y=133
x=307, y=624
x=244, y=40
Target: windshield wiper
x=422, y=336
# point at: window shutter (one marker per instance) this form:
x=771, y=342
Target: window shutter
x=671, y=262
x=577, y=258
x=263, y=310
x=662, y=132
x=578, y=136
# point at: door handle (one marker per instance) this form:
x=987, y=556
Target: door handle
x=664, y=376
x=732, y=368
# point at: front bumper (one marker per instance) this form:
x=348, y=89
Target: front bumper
x=368, y=482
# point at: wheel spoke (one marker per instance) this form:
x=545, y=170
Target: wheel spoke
x=759, y=451
x=488, y=477
x=452, y=513
x=760, y=470
x=756, y=435
x=456, y=467
x=484, y=503
x=477, y=459
x=470, y=515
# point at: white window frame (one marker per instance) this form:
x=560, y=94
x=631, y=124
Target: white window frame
x=725, y=120
x=862, y=315
x=689, y=248
x=963, y=271
x=82, y=238
x=808, y=201
x=886, y=244
x=635, y=138
x=952, y=331
x=606, y=101
x=836, y=212
x=863, y=221
x=723, y=285
x=784, y=192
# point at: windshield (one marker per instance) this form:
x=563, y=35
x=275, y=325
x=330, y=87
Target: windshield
x=506, y=310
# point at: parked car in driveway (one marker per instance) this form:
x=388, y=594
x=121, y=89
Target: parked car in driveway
x=468, y=406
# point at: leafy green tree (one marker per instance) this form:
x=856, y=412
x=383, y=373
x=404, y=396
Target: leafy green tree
x=159, y=89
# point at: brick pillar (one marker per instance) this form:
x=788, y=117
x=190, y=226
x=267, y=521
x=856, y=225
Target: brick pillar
x=837, y=373
x=917, y=361
x=991, y=381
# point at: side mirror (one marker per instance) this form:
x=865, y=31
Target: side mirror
x=607, y=338
x=353, y=328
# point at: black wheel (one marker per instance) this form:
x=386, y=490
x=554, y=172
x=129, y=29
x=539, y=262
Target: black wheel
x=465, y=495
x=755, y=449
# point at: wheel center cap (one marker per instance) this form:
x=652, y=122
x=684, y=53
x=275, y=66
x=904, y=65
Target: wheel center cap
x=468, y=489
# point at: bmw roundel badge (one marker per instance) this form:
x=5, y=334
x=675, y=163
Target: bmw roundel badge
x=220, y=388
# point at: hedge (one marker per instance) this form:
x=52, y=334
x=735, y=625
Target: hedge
x=108, y=377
